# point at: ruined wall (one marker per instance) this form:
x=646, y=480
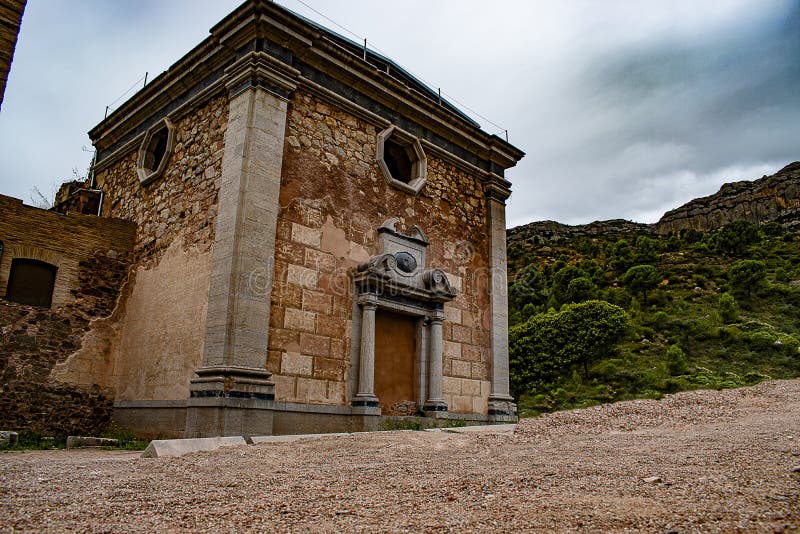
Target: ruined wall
x=92, y=259
x=10, y=20
x=161, y=334
x=333, y=199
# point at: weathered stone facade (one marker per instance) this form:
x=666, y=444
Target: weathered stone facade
x=264, y=293
x=182, y=205
x=325, y=230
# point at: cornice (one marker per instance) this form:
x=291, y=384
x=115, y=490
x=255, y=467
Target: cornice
x=232, y=58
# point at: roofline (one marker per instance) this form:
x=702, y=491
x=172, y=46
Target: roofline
x=311, y=44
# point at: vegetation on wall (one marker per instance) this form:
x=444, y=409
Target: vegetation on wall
x=616, y=316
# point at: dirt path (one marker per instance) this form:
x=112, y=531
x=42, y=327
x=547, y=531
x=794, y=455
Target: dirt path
x=724, y=462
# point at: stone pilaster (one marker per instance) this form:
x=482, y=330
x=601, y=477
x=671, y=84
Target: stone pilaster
x=366, y=361
x=422, y=364
x=233, y=384
x=501, y=404
x=435, y=401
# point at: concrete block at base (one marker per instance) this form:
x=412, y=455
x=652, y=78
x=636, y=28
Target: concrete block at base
x=78, y=442
x=160, y=448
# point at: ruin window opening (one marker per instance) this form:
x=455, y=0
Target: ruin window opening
x=399, y=162
x=31, y=282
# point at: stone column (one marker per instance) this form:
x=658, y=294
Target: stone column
x=501, y=404
x=366, y=361
x=435, y=402
x=233, y=394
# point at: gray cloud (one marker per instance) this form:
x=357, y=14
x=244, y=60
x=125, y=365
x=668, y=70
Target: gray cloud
x=665, y=121
x=626, y=109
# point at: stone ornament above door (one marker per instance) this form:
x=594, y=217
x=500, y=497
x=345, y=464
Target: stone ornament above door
x=401, y=270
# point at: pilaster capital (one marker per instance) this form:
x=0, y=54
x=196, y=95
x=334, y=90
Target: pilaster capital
x=259, y=69
x=497, y=188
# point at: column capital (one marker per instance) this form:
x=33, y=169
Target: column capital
x=436, y=316
x=368, y=301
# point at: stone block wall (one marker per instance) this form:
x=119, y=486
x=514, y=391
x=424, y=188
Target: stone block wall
x=333, y=199
x=160, y=337
x=182, y=203
x=92, y=257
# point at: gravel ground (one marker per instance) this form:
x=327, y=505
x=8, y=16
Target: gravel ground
x=701, y=461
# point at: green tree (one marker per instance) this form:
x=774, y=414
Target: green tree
x=528, y=287
x=591, y=329
x=676, y=360
x=561, y=280
x=647, y=250
x=549, y=344
x=747, y=275
x=641, y=279
x=691, y=236
x=534, y=355
x=736, y=236
x=620, y=255
x=580, y=289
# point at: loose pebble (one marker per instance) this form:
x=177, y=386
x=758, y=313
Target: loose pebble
x=723, y=455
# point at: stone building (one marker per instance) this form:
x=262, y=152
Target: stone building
x=320, y=242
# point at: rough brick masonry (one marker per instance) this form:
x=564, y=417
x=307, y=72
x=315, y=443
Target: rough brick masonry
x=92, y=256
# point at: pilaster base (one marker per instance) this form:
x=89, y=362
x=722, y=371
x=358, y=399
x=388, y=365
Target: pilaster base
x=434, y=408
x=369, y=403
x=230, y=401
x=502, y=409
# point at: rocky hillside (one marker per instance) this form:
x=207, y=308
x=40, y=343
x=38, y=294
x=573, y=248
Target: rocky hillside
x=771, y=198
x=543, y=232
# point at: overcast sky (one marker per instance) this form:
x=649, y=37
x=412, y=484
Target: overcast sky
x=626, y=109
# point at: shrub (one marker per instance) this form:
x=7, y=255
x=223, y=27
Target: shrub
x=772, y=229
x=747, y=275
x=676, y=360
x=728, y=308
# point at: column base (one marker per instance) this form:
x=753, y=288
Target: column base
x=230, y=401
x=502, y=409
